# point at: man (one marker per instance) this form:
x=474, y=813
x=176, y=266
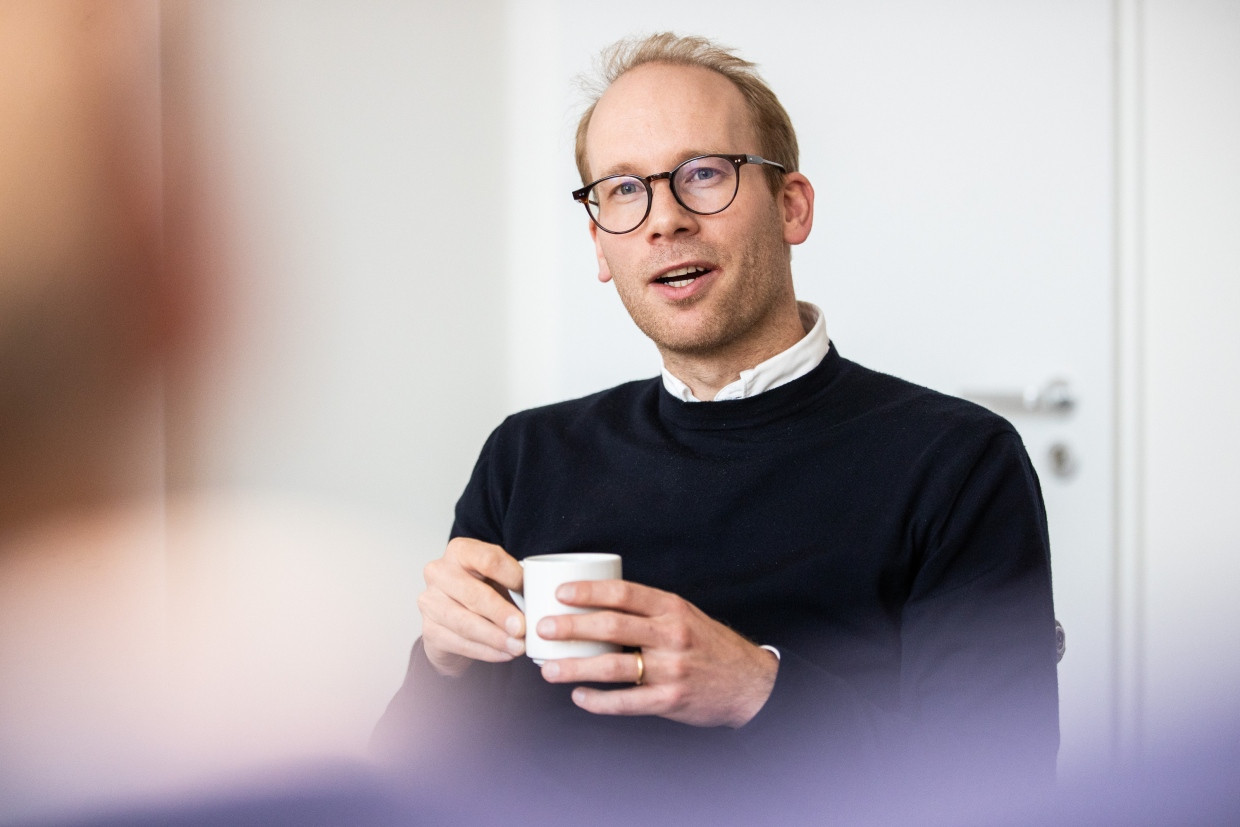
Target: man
x=828, y=571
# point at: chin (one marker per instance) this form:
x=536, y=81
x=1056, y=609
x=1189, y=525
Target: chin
x=685, y=332
x=688, y=343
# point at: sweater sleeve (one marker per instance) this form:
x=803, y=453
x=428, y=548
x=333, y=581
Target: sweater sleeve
x=977, y=663
x=433, y=719
x=978, y=630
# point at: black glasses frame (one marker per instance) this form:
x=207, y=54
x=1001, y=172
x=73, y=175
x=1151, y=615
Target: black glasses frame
x=737, y=161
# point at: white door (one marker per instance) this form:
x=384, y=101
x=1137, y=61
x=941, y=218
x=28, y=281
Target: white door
x=962, y=155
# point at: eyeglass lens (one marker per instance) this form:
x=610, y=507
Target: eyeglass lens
x=702, y=185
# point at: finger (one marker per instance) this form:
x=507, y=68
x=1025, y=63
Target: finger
x=447, y=577
x=639, y=700
x=485, y=560
x=620, y=667
x=483, y=600
x=440, y=639
x=464, y=623
x=622, y=595
x=608, y=627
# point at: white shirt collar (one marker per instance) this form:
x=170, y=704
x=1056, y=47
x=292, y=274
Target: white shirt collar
x=780, y=369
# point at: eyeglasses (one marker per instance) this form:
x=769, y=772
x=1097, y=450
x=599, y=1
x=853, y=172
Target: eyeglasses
x=704, y=185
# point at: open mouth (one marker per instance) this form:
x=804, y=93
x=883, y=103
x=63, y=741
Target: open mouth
x=682, y=276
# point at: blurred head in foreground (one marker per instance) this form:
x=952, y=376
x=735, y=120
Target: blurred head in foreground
x=89, y=320
x=151, y=634
x=86, y=313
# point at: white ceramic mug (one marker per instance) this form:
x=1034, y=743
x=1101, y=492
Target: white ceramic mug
x=544, y=573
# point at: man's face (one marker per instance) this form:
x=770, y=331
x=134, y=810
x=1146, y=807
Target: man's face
x=697, y=285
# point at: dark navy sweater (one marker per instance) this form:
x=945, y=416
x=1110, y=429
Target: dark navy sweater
x=889, y=540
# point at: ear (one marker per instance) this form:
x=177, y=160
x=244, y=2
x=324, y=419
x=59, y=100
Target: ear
x=797, y=200
x=604, y=272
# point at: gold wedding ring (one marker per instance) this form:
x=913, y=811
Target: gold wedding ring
x=641, y=668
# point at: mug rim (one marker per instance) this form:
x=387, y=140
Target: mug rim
x=573, y=557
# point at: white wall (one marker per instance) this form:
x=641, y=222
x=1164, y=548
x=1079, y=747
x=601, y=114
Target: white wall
x=1189, y=266
x=355, y=155
x=359, y=146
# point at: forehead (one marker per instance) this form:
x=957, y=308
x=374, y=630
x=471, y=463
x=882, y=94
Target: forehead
x=656, y=115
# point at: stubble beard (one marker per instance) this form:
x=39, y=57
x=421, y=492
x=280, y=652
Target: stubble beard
x=759, y=285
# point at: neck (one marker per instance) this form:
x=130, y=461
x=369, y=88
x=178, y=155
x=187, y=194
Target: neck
x=707, y=373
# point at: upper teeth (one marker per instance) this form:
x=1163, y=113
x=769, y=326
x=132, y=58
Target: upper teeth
x=680, y=276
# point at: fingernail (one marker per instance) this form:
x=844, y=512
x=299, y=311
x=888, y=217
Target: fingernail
x=515, y=645
x=566, y=592
x=513, y=625
x=579, y=696
x=551, y=669
x=546, y=627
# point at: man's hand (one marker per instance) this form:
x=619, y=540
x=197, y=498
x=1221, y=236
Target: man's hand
x=693, y=669
x=466, y=613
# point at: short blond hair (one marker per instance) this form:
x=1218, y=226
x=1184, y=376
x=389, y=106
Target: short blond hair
x=777, y=141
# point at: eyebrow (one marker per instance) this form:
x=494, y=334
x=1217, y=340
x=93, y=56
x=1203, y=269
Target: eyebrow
x=626, y=168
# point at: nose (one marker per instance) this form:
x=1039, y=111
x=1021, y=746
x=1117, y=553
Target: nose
x=667, y=217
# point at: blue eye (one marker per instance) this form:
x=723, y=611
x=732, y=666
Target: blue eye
x=621, y=190
x=703, y=174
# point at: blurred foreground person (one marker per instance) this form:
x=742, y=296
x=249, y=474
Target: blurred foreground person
x=86, y=322
x=150, y=638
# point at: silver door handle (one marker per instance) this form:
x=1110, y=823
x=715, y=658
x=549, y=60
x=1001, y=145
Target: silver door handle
x=1053, y=398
